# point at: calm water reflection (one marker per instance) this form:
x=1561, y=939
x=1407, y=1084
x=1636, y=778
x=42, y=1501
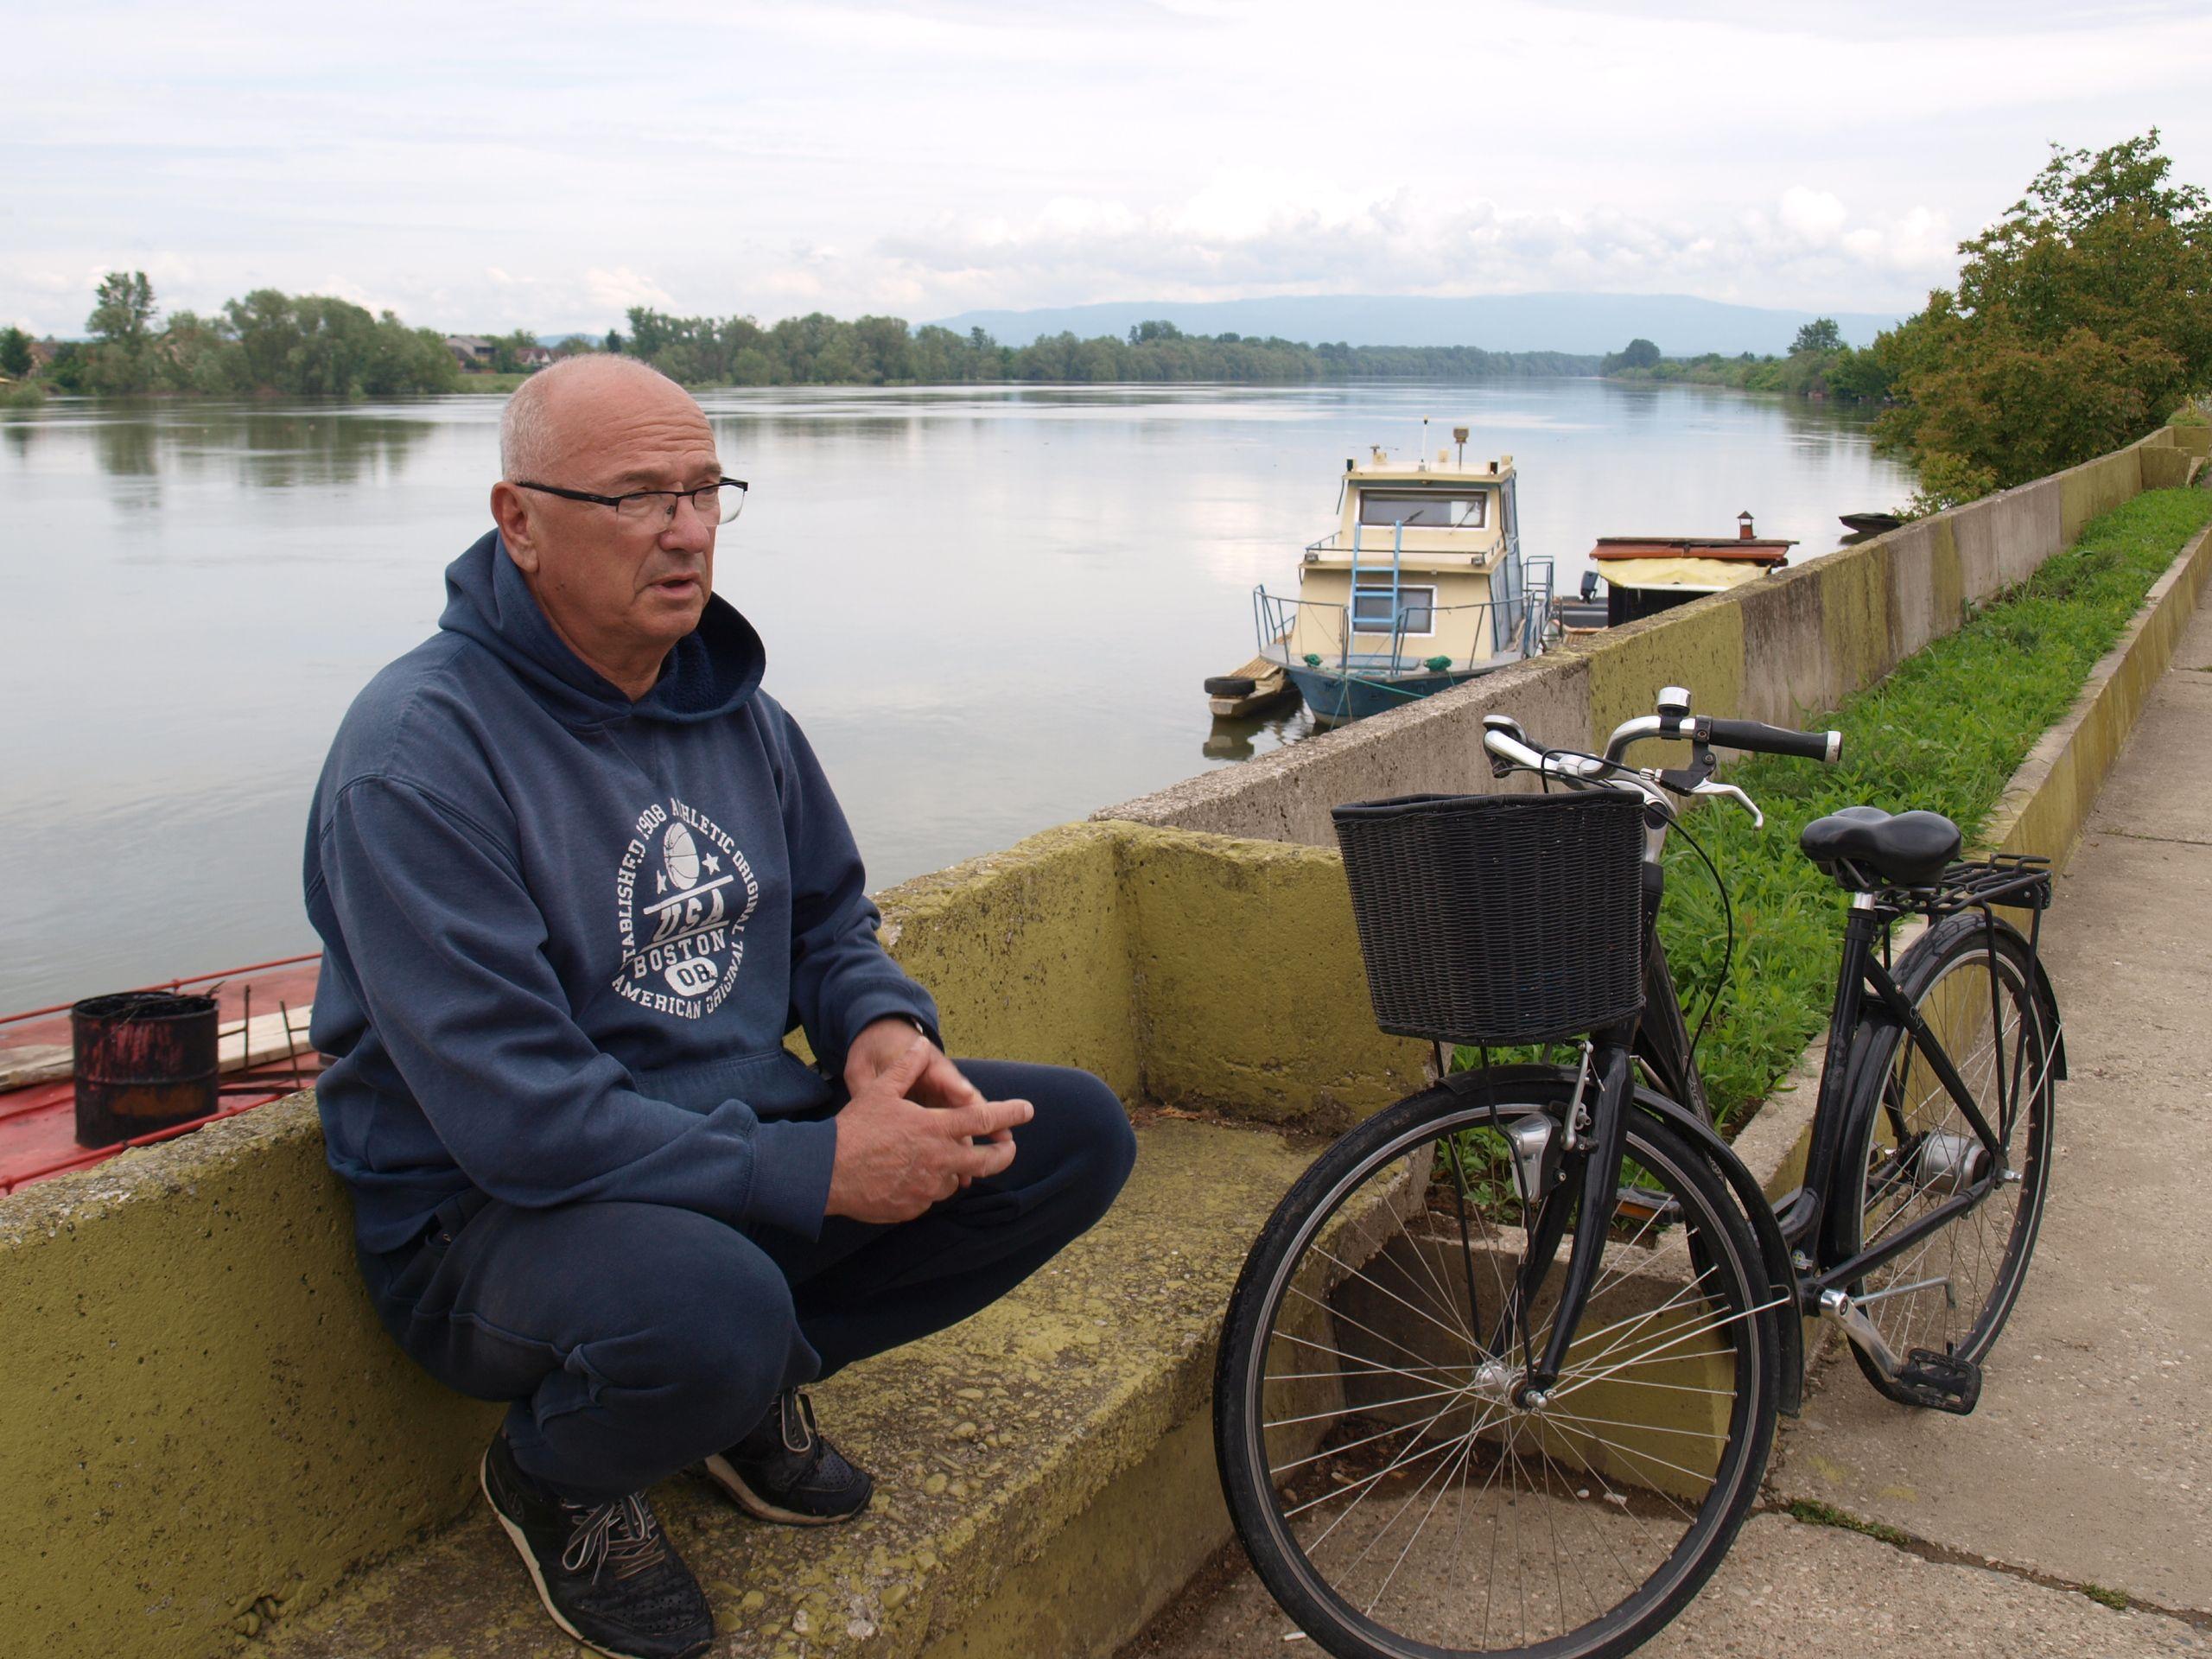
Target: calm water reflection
x=990, y=608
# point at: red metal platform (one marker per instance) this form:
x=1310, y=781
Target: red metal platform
x=38, y=1120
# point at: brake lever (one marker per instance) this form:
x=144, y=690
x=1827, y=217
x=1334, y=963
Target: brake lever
x=1709, y=787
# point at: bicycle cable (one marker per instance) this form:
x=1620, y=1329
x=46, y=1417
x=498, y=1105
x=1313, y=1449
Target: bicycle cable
x=1728, y=948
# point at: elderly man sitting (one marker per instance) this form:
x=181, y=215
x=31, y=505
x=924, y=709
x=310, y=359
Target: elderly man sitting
x=577, y=875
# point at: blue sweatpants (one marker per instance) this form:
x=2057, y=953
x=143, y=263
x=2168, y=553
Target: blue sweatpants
x=632, y=1339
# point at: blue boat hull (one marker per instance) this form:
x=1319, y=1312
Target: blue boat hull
x=1337, y=696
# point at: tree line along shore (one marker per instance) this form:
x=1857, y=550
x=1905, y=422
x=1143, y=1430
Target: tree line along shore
x=2079, y=320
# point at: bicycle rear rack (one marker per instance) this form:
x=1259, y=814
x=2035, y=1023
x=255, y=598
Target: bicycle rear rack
x=2017, y=881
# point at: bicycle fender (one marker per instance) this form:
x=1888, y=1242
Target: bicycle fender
x=2048, y=999
x=1781, y=1273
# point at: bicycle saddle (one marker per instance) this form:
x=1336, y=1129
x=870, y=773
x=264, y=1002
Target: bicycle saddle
x=1865, y=848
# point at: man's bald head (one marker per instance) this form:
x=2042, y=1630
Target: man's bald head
x=621, y=585
x=552, y=412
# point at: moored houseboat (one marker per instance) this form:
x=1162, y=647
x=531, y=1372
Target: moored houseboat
x=1420, y=587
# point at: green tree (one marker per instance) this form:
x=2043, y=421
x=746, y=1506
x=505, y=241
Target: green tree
x=2078, y=320
x=14, y=352
x=1820, y=335
x=507, y=351
x=1639, y=353
x=123, y=310
x=122, y=322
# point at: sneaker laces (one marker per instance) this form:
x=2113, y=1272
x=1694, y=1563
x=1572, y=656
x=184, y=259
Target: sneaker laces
x=804, y=1415
x=624, y=1534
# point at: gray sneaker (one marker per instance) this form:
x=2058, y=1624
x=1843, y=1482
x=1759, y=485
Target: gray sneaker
x=605, y=1571
x=786, y=1470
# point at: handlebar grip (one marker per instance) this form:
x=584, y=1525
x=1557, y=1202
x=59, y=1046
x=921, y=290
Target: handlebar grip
x=1759, y=738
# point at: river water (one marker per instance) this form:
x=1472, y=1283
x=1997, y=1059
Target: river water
x=991, y=607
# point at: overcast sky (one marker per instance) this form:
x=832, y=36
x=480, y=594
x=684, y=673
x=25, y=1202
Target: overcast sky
x=489, y=166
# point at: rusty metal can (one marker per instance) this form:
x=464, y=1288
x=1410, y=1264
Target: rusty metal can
x=145, y=1060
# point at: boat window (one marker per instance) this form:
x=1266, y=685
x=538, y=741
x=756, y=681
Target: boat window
x=1430, y=509
x=1370, y=610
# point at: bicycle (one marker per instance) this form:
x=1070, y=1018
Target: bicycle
x=1437, y=1437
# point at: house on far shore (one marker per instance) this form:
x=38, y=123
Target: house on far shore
x=474, y=351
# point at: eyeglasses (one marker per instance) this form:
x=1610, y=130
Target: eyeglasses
x=718, y=502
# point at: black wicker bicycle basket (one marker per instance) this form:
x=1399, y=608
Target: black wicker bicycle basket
x=1498, y=919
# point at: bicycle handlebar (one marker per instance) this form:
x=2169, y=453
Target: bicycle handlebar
x=1509, y=748
x=1758, y=738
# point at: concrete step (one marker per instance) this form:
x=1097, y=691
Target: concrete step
x=1045, y=1470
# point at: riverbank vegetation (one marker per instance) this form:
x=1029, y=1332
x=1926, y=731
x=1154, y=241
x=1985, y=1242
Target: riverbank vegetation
x=820, y=350
x=2081, y=320
x=306, y=345
x=1819, y=365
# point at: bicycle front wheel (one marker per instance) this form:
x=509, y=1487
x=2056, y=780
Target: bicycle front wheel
x=1390, y=1491
x=1907, y=1148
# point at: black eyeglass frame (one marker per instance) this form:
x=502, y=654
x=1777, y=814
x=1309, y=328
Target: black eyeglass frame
x=616, y=501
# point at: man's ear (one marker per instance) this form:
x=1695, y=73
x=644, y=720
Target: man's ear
x=511, y=514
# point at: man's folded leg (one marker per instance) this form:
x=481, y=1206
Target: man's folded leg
x=629, y=1340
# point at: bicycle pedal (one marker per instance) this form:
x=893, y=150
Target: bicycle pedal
x=1940, y=1382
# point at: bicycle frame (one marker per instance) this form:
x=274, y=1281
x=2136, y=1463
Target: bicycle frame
x=1866, y=994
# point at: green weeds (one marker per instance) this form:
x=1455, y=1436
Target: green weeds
x=1816, y=1514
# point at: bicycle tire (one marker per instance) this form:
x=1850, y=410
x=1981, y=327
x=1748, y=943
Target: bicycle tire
x=1904, y=1139
x=1611, y=1494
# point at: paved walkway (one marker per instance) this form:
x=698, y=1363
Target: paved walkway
x=2089, y=1465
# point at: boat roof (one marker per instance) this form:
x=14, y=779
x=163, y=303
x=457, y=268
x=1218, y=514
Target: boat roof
x=1761, y=551
x=1380, y=468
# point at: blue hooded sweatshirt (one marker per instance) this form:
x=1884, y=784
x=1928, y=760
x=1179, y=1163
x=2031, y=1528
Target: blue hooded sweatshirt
x=565, y=933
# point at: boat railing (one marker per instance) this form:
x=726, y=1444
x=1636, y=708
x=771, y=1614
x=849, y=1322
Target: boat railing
x=1323, y=632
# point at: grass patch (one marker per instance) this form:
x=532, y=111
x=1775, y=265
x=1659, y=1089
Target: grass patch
x=2115, y=1600
x=486, y=380
x=1816, y=1514
x=1945, y=731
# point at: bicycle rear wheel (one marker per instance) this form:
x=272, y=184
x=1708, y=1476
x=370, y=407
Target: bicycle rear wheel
x=1389, y=1492
x=1907, y=1147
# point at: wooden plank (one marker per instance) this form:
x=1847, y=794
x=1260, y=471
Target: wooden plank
x=263, y=1041
x=35, y=1063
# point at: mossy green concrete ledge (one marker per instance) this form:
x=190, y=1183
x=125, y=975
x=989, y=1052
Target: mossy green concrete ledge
x=1044, y=1477
x=204, y=1421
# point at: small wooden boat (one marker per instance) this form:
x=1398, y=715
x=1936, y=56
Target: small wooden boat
x=1870, y=524
x=1252, y=689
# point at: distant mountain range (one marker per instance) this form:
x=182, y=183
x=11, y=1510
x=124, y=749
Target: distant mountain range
x=1679, y=325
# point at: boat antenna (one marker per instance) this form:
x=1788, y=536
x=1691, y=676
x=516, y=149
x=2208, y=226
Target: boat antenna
x=1424, y=443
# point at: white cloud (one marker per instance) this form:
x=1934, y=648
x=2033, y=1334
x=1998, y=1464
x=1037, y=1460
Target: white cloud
x=622, y=287
x=1815, y=215
x=933, y=155
x=1245, y=234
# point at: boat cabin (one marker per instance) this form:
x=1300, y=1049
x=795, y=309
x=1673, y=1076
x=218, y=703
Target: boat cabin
x=1422, y=572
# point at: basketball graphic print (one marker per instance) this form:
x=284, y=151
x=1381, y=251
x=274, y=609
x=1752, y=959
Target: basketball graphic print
x=681, y=854
x=683, y=894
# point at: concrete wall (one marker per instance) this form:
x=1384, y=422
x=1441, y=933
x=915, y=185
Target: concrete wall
x=200, y=1409
x=1777, y=650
